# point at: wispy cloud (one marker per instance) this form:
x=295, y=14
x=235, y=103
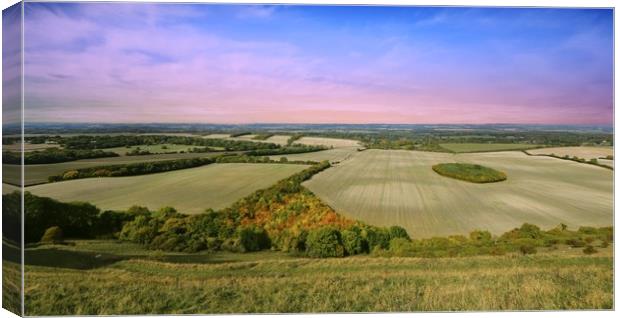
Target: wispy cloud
x=211, y=63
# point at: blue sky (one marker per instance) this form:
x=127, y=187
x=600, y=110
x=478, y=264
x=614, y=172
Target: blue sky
x=243, y=63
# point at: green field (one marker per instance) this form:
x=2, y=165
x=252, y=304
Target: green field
x=480, y=147
x=96, y=278
x=396, y=187
x=189, y=190
x=35, y=174
x=155, y=149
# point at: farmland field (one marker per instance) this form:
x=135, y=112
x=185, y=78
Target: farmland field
x=127, y=279
x=392, y=187
x=580, y=152
x=473, y=147
x=29, y=147
x=8, y=188
x=35, y=174
x=152, y=148
x=329, y=142
x=332, y=155
x=190, y=191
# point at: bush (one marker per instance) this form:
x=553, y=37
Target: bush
x=52, y=235
x=398, y=232
x=401, y=247
x=377, y=237
x=589, y=250
x=577, y=242
x=324, y=242
x=527, y=249
x=253, y=239
x=480, y=236
x=353, y=242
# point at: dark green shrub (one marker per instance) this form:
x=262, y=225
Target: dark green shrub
x=589, y=250
x=480, y=236
x=398, y=232
x=604, y=244
x=253, y=239
x=353, y=242
x=377, y=237
x=526, y=249
x=52, y=235
x=324, y=242
x=576, y=242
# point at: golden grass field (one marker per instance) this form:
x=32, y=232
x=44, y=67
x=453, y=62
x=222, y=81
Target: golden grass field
x=397, y=187
x=190, y=191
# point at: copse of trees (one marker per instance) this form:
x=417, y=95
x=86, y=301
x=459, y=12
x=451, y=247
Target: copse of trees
x=262, y=136
x=525, y=240
x=131, y=169
x=54, y=155
x=239, y=134
x=75, y=219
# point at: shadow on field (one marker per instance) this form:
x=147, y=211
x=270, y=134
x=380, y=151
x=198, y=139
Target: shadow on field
x=53, y=257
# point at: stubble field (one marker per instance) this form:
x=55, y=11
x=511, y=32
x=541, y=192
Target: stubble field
x=482, y=147
x=393, y=187
x=190, y=191
x=580, y=152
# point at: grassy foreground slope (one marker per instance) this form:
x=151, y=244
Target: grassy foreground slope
x=270, y=283
x=396, y=187
x=190, y=190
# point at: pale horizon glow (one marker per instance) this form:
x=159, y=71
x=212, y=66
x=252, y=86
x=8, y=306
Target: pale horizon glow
x=237, y=64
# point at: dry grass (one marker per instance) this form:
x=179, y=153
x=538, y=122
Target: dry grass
x=332, y=155
x=356, y=284
x=189, y=190
x=397, y=187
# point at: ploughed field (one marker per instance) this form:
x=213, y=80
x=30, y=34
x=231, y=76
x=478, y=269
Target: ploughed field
x=35, y=174
x=397, y=187
x=189, y=191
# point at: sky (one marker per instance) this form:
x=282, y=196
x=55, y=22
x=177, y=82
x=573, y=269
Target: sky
x=123, y=62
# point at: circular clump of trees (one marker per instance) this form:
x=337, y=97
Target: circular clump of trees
x=469, y=172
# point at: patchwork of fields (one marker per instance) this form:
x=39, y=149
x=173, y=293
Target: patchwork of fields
x=393, y=187
x=329, y=142
x=190, y=191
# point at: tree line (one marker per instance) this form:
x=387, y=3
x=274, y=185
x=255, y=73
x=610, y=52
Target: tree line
x=54, y=155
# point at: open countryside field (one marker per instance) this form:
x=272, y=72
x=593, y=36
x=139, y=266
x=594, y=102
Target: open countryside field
x=265, y=282
x=329, y=142
x=482, y=147
x=36, y=174
x=580, y=152
x=332, y=155
x=394, y=187
x=190, y=191
x=29, y=147
x=156, y=149
x=8, y=188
